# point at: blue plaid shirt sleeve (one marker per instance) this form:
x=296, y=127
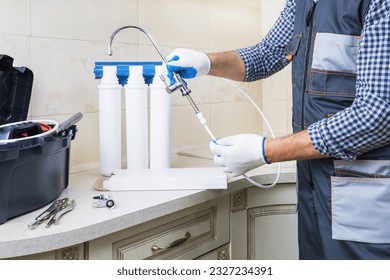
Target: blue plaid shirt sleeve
x=366, y=124
x=269, y=56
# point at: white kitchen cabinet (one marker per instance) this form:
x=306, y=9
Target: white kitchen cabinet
x=187, y=234
x=264, y=223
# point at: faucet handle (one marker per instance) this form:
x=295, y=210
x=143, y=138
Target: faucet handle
x=179, y=84
x=182, y=84
x=167, y=85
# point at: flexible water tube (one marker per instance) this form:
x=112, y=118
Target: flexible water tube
x=269, y=128
x=203, y=122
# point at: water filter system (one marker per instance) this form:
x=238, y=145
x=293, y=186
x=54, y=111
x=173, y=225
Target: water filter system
x=148, y=132
x=136, y=80
x=144, y=171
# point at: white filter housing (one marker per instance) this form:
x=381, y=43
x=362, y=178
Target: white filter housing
x=160, y=122
x=109, y=121
x=136, y=92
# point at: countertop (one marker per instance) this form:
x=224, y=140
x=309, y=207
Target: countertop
x=86, y=223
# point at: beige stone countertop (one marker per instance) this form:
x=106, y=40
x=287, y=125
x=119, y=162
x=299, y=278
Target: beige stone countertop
x=86, y=223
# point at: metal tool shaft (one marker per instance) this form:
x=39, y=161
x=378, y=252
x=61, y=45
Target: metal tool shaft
x=193, y=104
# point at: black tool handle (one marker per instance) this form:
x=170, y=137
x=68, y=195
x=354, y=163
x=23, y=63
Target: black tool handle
x=69, y=122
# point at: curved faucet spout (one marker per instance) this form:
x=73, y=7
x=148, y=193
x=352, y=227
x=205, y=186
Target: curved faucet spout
x=110, y=52
x=179, y=83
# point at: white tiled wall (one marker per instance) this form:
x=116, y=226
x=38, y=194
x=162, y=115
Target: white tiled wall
x=60, y=40
x=276, y=98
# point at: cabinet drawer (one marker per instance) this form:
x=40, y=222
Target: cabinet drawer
x=186, y=234
x=221, y=253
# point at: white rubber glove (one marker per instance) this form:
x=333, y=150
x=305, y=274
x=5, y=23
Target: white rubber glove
x=238, y=154
x=188, y=63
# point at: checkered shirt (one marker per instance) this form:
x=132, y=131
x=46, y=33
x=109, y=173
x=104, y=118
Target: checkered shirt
x=363, y=126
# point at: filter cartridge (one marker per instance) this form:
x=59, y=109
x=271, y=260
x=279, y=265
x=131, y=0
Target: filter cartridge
x=160, y=122
x=109, y=121
x=136, y=92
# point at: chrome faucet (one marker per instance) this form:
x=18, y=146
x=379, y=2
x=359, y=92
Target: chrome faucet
x=179, y=82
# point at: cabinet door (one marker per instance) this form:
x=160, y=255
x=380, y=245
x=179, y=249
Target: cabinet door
x=272, y=223
x=272, y=233
x=264, y=223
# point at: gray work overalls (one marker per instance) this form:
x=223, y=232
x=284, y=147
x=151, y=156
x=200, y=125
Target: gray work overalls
x=343, y=206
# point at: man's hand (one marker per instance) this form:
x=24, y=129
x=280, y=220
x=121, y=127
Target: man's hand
x=238, y=154
x=188, y=63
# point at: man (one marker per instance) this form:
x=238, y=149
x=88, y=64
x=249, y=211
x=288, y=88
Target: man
x=340, y=54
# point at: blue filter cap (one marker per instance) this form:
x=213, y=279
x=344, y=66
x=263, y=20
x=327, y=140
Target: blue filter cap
x=123, y=70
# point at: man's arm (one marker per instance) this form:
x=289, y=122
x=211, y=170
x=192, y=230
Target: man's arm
x=297, y=146
x=244, y=64
x=227, y=65
x=240, y=153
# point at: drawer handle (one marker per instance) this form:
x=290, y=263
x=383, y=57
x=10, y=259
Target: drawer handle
x=173, y=244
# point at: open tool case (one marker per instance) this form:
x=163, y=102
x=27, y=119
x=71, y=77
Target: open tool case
x=34, y=169
x=34, y=155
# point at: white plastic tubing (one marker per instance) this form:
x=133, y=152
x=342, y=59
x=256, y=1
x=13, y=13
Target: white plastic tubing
x=148, y=144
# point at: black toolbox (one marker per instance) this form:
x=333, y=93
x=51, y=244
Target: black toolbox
x=33, y=170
